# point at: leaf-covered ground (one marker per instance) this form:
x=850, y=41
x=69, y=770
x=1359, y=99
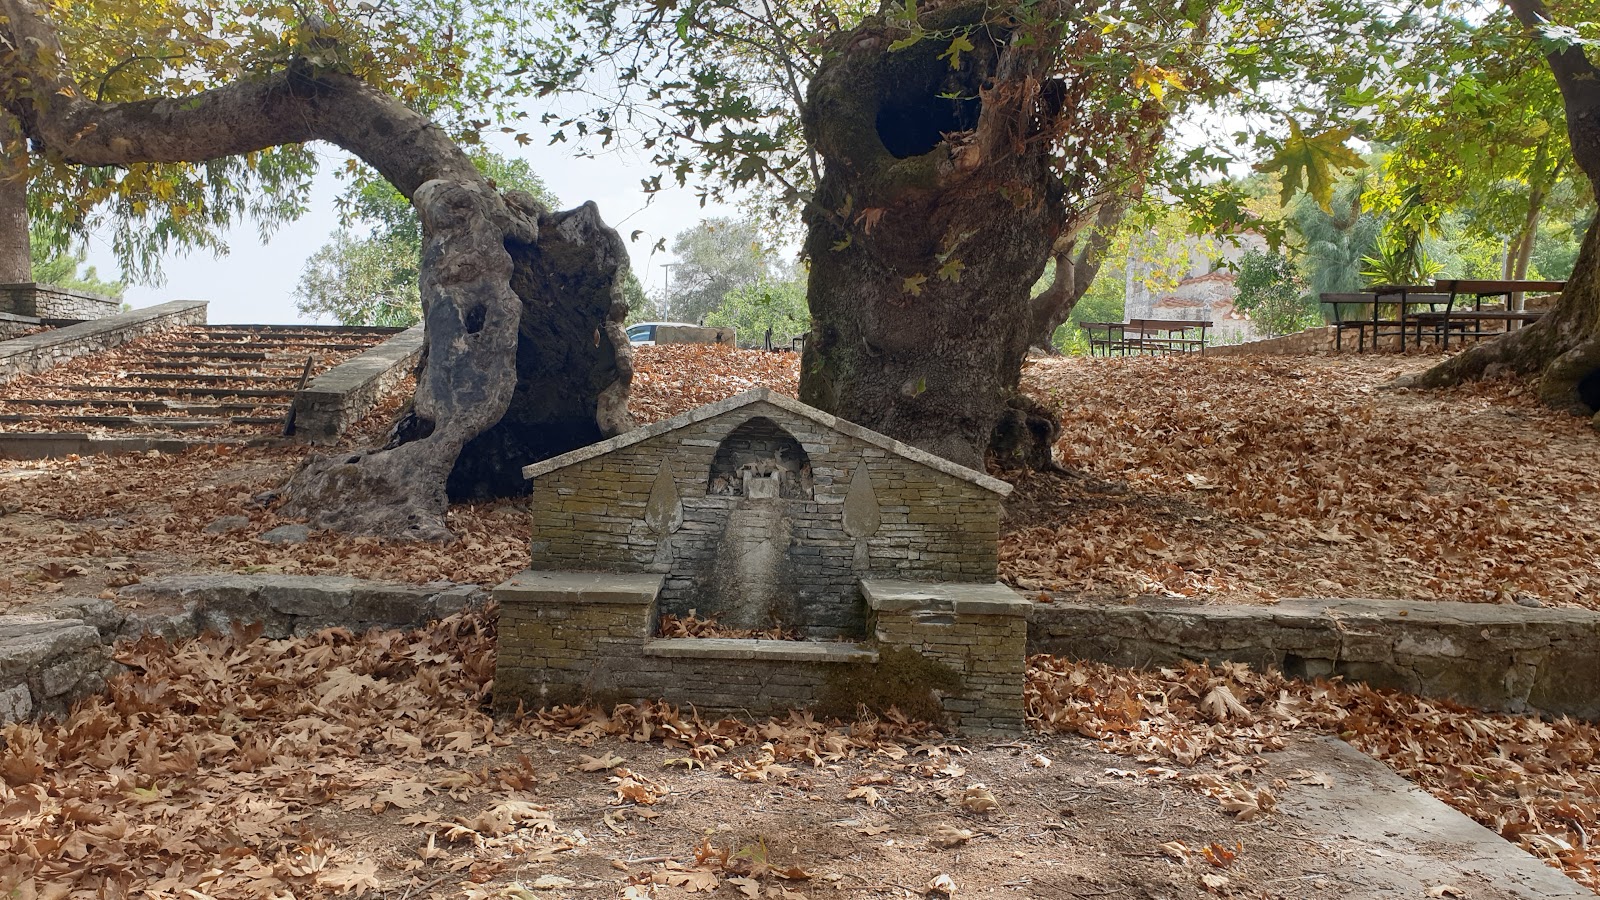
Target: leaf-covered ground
x=340, y=764
x=1251, y=479
x=1221, y=480
x=337, y=764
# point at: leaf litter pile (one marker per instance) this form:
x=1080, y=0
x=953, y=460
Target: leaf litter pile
x=336, y=764
x=1254, y=479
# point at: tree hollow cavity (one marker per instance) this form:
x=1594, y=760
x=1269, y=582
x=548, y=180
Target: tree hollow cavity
x=1589, y=390
x=919, y=110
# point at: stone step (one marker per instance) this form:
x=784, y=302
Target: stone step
x=207, y=378
x=310, y=330
x=207, y=347
x=198, y=409
x=156, y=390
x=220, y=354
x=281, y=365
x=170, y=423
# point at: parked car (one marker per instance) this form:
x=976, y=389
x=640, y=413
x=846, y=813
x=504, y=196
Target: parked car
x=644, y=333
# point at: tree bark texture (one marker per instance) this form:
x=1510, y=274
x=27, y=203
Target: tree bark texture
x=16, y=248
x=484, y=272
x=1562, y=349
x=934, y=217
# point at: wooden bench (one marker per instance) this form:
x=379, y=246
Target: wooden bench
x=1479, y=289
x=1160, y=336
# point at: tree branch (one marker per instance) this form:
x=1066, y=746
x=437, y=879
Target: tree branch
x=292, y=106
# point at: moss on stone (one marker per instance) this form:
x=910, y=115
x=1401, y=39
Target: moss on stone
x=901, y=678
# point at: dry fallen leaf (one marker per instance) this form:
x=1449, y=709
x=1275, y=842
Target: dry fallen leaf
x=600, y=763
x=977, y=799
x=940, y=885
x=950, y=836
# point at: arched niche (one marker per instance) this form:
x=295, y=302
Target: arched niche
x=760, y=460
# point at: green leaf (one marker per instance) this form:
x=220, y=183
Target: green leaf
x=957, y=47
x=951, y=271
x=913, y=285
x=908, y=41
x=1311, y=162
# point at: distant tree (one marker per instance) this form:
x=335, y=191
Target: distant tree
x=61, y=270
x=753, y=308
x=715, y=257
x=367, y=274
x=1272, y=293
x=1333, y=241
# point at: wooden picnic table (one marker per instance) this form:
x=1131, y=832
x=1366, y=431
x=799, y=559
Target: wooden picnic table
x=1479, y=289
x=1401, y=296
x=1142, y=335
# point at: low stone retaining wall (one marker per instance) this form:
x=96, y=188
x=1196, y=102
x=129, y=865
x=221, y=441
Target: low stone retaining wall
x=46, y=301
x=938, y=651
x=1503, y=658
x=37, y=352
x=1312, y=340
x=12, y=325
x=567, y=637
x=46, y=664
x=339, y=397
x=62, y=651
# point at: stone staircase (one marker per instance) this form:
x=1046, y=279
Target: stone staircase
x=211, y=384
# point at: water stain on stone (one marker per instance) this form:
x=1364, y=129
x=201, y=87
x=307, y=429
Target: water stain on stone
x=663, y=512
x=862, y=517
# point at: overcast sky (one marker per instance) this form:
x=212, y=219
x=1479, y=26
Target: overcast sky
x=255, y=283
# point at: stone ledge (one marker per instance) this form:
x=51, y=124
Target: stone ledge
x=787, y=404
x=961, y=599
x=55, y=444
x=46, y=663
x=1496, y=657
x=579, y=587
x=62, y=653
x=777, y=651
x=37, y=352
x=338, y=398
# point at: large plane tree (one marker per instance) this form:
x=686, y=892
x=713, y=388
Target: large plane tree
x=942, y=154
x=525, y=355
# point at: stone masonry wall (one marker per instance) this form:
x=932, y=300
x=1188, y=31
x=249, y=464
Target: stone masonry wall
x=38, y=352
x=46, y=664
x=930, y=526
x=47, y=301
x=62, y=652
x=567, y=637
x=1489, y=656
x=12, y=325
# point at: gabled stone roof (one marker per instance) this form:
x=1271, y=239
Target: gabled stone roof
x=787, y=404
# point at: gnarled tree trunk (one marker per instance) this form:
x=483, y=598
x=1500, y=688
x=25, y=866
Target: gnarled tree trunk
x=934, y=218
x=503, y=293
x=1563, y=348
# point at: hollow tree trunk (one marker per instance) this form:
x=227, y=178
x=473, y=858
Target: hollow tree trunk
x=933, y=220
x=16, y=258
x=1563, y=348
x=479, y=250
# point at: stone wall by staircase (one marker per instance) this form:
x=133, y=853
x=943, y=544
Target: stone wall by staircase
x=47, y=301
x=38, y=352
